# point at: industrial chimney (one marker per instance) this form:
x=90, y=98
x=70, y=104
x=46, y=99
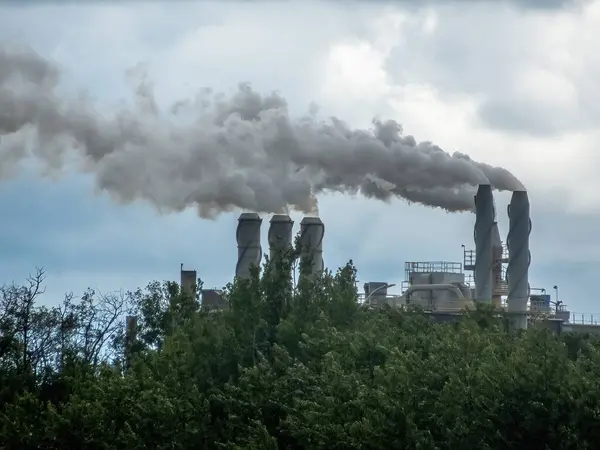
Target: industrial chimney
x=130, y=339
x=280, y=234
x=484, y=223
x=248, y=239
x=312, y=231
x=519, y=257
x=188, y=280
x=497, y=260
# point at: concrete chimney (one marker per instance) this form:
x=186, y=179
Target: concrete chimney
x=484, y=224
x=312, y=231
x=188, y=282
x=248, y=239
x=519, y=258
x=280, y=233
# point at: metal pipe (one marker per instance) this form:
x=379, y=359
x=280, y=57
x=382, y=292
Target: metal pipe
x=519, y=257
x=484, y=223
x=385, y=286
x=459, y=303
x=249, y=248
x=434, y=287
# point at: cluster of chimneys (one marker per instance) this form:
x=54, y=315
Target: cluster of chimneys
x=488, y=251
x=280, y=238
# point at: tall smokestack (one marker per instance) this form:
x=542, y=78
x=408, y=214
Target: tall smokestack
x=280, y=234
x=497, y=260
x=248, y=239
x=312, y=231
x=519, y=257
x=484, y=223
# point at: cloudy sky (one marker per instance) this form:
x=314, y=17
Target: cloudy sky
x=510, y=83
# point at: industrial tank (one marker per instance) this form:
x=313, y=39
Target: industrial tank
x=248, y=239
x=519, y=258
x=312, y=231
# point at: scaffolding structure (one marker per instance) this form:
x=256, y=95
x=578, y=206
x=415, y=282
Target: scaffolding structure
x=499, y=269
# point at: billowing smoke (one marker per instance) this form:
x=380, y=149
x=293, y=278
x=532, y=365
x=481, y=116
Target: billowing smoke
x=243, y=151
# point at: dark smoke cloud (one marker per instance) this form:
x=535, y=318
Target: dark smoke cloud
x=240, y=151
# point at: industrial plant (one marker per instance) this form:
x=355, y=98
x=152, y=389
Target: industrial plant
x=493, y=273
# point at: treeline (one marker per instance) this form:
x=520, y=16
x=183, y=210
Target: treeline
x=285, y=367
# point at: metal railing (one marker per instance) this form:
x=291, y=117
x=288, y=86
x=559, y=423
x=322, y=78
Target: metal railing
x=376, y=298
x=411, y=267
x=585, y=318
x=469, y=259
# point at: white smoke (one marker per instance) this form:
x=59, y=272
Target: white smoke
x=242, y=151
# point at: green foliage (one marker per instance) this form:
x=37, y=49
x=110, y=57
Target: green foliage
x=285, y=367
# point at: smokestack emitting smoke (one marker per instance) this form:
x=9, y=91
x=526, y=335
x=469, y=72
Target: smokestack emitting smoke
x=519, y=257
x=280, y=235
x=242, y=151
x=312, y=231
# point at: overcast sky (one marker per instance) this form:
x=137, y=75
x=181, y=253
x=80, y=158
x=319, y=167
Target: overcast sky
x=515, y=84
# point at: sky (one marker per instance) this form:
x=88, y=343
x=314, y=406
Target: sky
x=514, y=83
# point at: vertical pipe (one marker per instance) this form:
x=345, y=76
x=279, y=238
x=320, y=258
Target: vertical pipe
x=519, y=258
x=312, y=231
x=484, y=222
x=248, y=240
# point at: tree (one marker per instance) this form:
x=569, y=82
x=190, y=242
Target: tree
x=285, y=367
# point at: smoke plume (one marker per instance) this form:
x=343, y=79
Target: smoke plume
x=240, y=151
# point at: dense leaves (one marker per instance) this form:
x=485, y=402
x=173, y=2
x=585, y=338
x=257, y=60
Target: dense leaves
x=284, y=367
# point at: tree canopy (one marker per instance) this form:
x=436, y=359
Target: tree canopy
x=284, y=367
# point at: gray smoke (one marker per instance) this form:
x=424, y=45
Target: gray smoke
x=240, y=151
